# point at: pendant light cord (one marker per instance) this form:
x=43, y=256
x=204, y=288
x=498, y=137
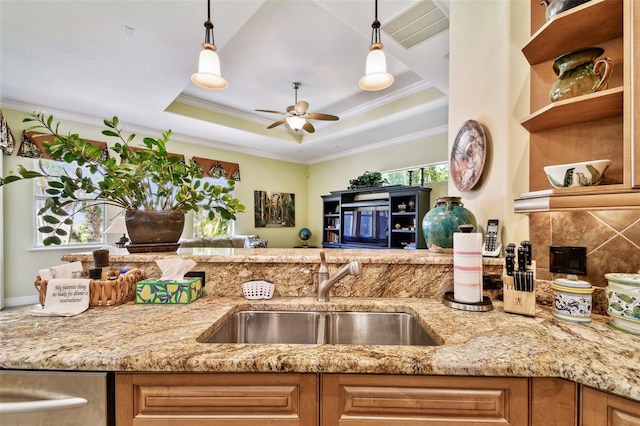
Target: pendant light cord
x=375, y=33
x=208, y=25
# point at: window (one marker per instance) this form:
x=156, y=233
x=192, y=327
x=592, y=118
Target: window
x=88, y=223
x=436, y=172
x=218, y=227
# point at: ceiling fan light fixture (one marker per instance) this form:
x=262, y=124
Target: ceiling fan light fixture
x=208, y=75
x=376, y=75
x=296, y=122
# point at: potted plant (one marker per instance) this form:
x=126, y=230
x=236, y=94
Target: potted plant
x=367, y=179
x=141, y=181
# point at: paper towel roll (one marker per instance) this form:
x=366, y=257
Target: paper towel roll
x=467, y=267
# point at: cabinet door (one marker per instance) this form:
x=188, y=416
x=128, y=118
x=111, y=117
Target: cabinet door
x=603, y=409
x=216, y=399
x=554, y=402
x=369, y=400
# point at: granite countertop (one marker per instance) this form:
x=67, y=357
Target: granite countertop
x=162, y=338
x=285, y=255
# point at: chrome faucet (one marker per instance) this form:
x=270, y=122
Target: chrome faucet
x=325, y=282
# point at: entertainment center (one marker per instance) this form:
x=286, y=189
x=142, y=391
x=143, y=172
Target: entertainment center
x=375, y=217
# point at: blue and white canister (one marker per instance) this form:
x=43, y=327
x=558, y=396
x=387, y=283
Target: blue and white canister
x=572, y=299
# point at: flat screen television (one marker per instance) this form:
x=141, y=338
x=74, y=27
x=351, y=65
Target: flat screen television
x=367, y=226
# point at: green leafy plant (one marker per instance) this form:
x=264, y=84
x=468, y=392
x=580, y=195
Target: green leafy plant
x=146, y=179
x=367, y=179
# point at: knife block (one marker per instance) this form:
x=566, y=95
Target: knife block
x=519, y=302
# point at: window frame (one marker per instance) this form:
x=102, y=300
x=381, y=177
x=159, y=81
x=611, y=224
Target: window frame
x=416, y=179
x=222, y=181
x=38, y=198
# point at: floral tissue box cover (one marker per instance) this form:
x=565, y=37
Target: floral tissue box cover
x=168, y=292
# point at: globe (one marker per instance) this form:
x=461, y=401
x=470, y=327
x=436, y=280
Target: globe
x=304, y=234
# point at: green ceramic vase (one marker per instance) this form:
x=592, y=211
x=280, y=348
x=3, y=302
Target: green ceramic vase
x=439, y=223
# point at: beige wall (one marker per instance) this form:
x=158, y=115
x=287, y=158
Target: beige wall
x=335, y=175
x=488, y=82
x=22, y=261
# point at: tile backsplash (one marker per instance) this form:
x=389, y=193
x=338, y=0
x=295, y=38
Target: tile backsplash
x=612, y=239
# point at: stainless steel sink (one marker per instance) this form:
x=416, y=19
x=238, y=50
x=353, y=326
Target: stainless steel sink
x=267, y=327
x=375, y=328
x=314, y=327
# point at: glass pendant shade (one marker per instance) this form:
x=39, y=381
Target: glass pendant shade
x=376, y=76
x=296, y=122
x=208, y=75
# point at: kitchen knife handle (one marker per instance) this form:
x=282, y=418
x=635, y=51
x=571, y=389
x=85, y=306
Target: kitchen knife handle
x=522, y=258
x=510, y=263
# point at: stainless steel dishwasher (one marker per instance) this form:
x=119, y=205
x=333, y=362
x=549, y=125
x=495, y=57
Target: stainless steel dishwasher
x=55, y=398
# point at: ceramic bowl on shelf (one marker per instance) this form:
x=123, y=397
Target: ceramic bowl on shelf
x=586, y=173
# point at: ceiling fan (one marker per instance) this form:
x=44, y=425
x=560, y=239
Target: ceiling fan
x=297, y=116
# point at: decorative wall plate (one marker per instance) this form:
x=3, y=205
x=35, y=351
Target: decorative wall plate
x=468, y=156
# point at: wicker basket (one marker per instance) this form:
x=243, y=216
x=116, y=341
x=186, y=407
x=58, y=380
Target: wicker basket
x=104, y=293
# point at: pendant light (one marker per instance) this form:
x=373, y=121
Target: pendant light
x=208, y=75
x=376, y=76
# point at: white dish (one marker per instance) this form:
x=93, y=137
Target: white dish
x=586, y=173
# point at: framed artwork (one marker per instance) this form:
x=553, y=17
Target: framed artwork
x=274, y=209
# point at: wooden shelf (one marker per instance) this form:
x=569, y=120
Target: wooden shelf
x=611, y=197
x=581, y=109
x=597, y=125
x=585, y=25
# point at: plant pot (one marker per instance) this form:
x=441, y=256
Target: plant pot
x=158, y=230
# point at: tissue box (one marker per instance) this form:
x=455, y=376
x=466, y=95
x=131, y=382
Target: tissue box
x=168, y=292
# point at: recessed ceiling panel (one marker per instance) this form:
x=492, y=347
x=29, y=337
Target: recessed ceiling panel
x=417, y=24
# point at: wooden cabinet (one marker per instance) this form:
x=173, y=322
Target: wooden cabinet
x=603, y=409
x=216, y=399
x=381, y=217
x=590, y=127
x=331, y=220
x=369, y=400
x=406, y=229
x=287, y=399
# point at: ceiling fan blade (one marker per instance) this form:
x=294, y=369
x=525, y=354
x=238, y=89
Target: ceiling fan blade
x=271, y=111
x=277, y=123
x=308, y=127
x=321, y=116
x=301, y=107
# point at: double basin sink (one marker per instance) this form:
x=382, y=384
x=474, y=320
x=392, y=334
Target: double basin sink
x=316, y=327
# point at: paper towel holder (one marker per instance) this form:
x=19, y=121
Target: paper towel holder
x=483, y=306
x=448, y=300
